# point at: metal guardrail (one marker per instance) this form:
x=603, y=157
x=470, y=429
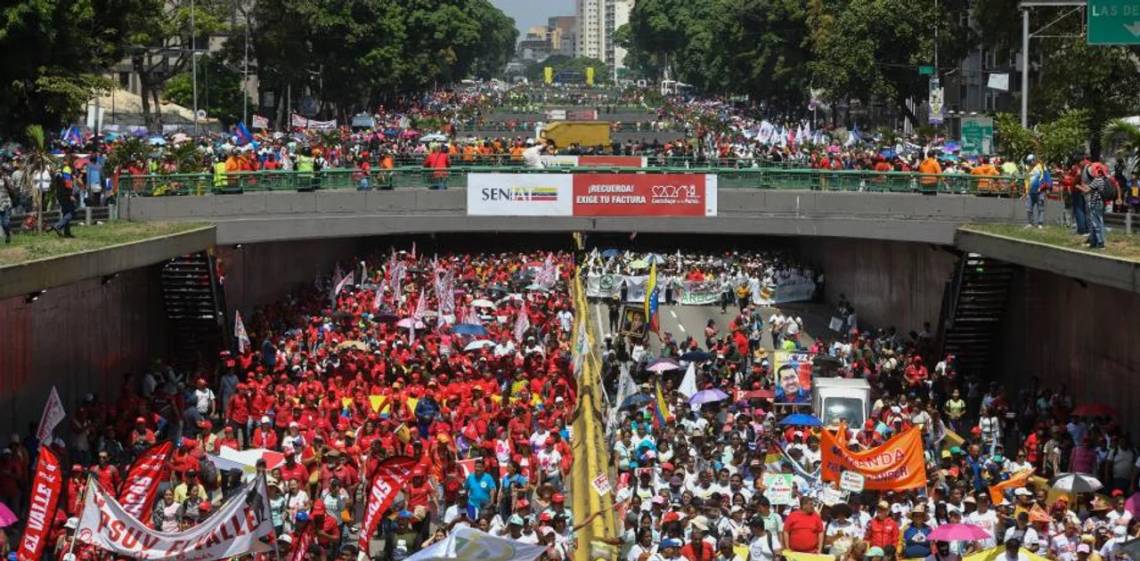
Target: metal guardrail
x=456, y=177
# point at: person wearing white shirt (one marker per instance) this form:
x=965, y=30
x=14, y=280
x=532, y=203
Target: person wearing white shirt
x=765, y=546
x=1110, y=551
x=986, y=519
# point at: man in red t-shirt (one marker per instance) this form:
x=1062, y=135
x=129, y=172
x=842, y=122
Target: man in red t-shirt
x=803, y=529
x=698, y=549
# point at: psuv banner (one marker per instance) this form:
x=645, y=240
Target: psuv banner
x=897, y=464
x=242, y=525
x=591, y=194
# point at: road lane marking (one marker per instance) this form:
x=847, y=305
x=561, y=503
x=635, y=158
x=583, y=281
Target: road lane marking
x=672, y=313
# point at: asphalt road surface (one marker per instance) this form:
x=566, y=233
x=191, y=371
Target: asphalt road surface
x=683, y=321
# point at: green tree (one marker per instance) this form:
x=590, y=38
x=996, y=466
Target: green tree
x=159, y=43
x=1013, y=140
x=51, y=52
x=872, y=48
x=1075, y=75
x=219, y=89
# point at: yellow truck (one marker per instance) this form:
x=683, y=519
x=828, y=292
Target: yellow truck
x=582, y=133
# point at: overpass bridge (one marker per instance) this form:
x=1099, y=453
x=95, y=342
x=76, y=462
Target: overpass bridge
x=276, y=206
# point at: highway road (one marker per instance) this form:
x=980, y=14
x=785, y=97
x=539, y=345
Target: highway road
x=683, y=321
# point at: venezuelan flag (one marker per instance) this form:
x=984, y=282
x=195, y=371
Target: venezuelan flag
x=661, y=413
x=651, y=300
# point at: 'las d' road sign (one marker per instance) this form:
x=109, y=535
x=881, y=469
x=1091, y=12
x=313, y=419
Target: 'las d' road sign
x=1114, y=22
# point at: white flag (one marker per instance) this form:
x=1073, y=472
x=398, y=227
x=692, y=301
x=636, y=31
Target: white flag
x=52, y=415
x=347, y=280
x=688, y=385
x=240, y=333
x=522, y=323
x=469, y=543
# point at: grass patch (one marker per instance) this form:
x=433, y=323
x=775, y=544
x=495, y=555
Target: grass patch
x=1118, y=244
x=29, y=246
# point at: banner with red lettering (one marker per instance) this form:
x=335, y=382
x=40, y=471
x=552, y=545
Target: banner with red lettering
x=592, y=194
x=658, y=194
x=898, y=464
x=141, y=485
x=391, y=475
x=47, y=485
x=242, y=525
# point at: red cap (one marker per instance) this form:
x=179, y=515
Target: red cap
x=558, y=498
x=205, y=506
x=670, y=517
x=140, y=420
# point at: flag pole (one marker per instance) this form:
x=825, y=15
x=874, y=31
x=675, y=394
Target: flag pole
x=75, y=532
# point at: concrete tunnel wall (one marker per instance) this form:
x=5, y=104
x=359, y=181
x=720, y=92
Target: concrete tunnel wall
x=896, y=284
x=82, y=337
x=1081, y=335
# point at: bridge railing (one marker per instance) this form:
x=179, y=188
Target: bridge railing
x=197, y=184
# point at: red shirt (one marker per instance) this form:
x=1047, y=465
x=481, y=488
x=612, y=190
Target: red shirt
x=108, y=477
x=803, y=531
x=707, y=552
x=883, y=532
x=297, y=473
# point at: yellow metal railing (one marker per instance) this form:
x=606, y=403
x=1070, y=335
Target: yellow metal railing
x=591, y=454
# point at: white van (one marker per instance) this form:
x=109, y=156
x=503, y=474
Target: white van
x=835, y=399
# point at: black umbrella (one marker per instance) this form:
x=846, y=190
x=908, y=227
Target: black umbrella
x=696, y=356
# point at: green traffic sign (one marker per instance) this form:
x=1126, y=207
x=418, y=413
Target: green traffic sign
x=925, y=70
x=977, y=136
x=1114, y=22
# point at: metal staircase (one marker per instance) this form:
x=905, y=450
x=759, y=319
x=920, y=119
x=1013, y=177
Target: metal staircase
x=196, y=310
x=973, y=311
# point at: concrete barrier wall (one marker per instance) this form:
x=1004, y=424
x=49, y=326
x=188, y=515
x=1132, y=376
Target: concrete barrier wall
x=896, y=284
x=1082, y=335
x=261, y=217
x=82, y=337
x=260, y=274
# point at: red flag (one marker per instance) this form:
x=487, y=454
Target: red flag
x=141, y=485
x=391, y=475
x=302, y=542
x=46, y=489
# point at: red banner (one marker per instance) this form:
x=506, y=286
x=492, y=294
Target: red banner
x=141, y=485
x=611, y=161
x=630, y=194
x=391, y=475
x=46, y=489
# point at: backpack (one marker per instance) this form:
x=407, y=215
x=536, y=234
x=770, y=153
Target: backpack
x=1046, y=180
x=1108, y=189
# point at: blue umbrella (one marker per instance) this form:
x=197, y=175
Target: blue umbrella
x=636, y=400
x=469, y=329
x=801, y=420
x=707, y=396
x=611, y=253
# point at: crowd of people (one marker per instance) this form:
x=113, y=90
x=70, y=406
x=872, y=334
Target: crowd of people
x=700, y=449
x=460, y=362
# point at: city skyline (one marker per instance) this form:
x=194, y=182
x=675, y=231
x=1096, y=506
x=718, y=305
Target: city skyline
x=529, y=13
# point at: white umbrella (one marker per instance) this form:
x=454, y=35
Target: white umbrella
x=408, y=323
x=1076, y=483
x=476, y=345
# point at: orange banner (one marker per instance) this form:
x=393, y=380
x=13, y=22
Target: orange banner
x=1018, y=479
x=896, y=465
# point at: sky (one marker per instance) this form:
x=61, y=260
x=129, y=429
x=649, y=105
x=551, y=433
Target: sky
x=529, y=13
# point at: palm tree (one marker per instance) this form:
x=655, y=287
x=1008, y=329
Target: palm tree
x=35, y=162
x=1125, y=135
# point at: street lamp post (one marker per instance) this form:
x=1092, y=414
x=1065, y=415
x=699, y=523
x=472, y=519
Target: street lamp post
x=194, y=65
